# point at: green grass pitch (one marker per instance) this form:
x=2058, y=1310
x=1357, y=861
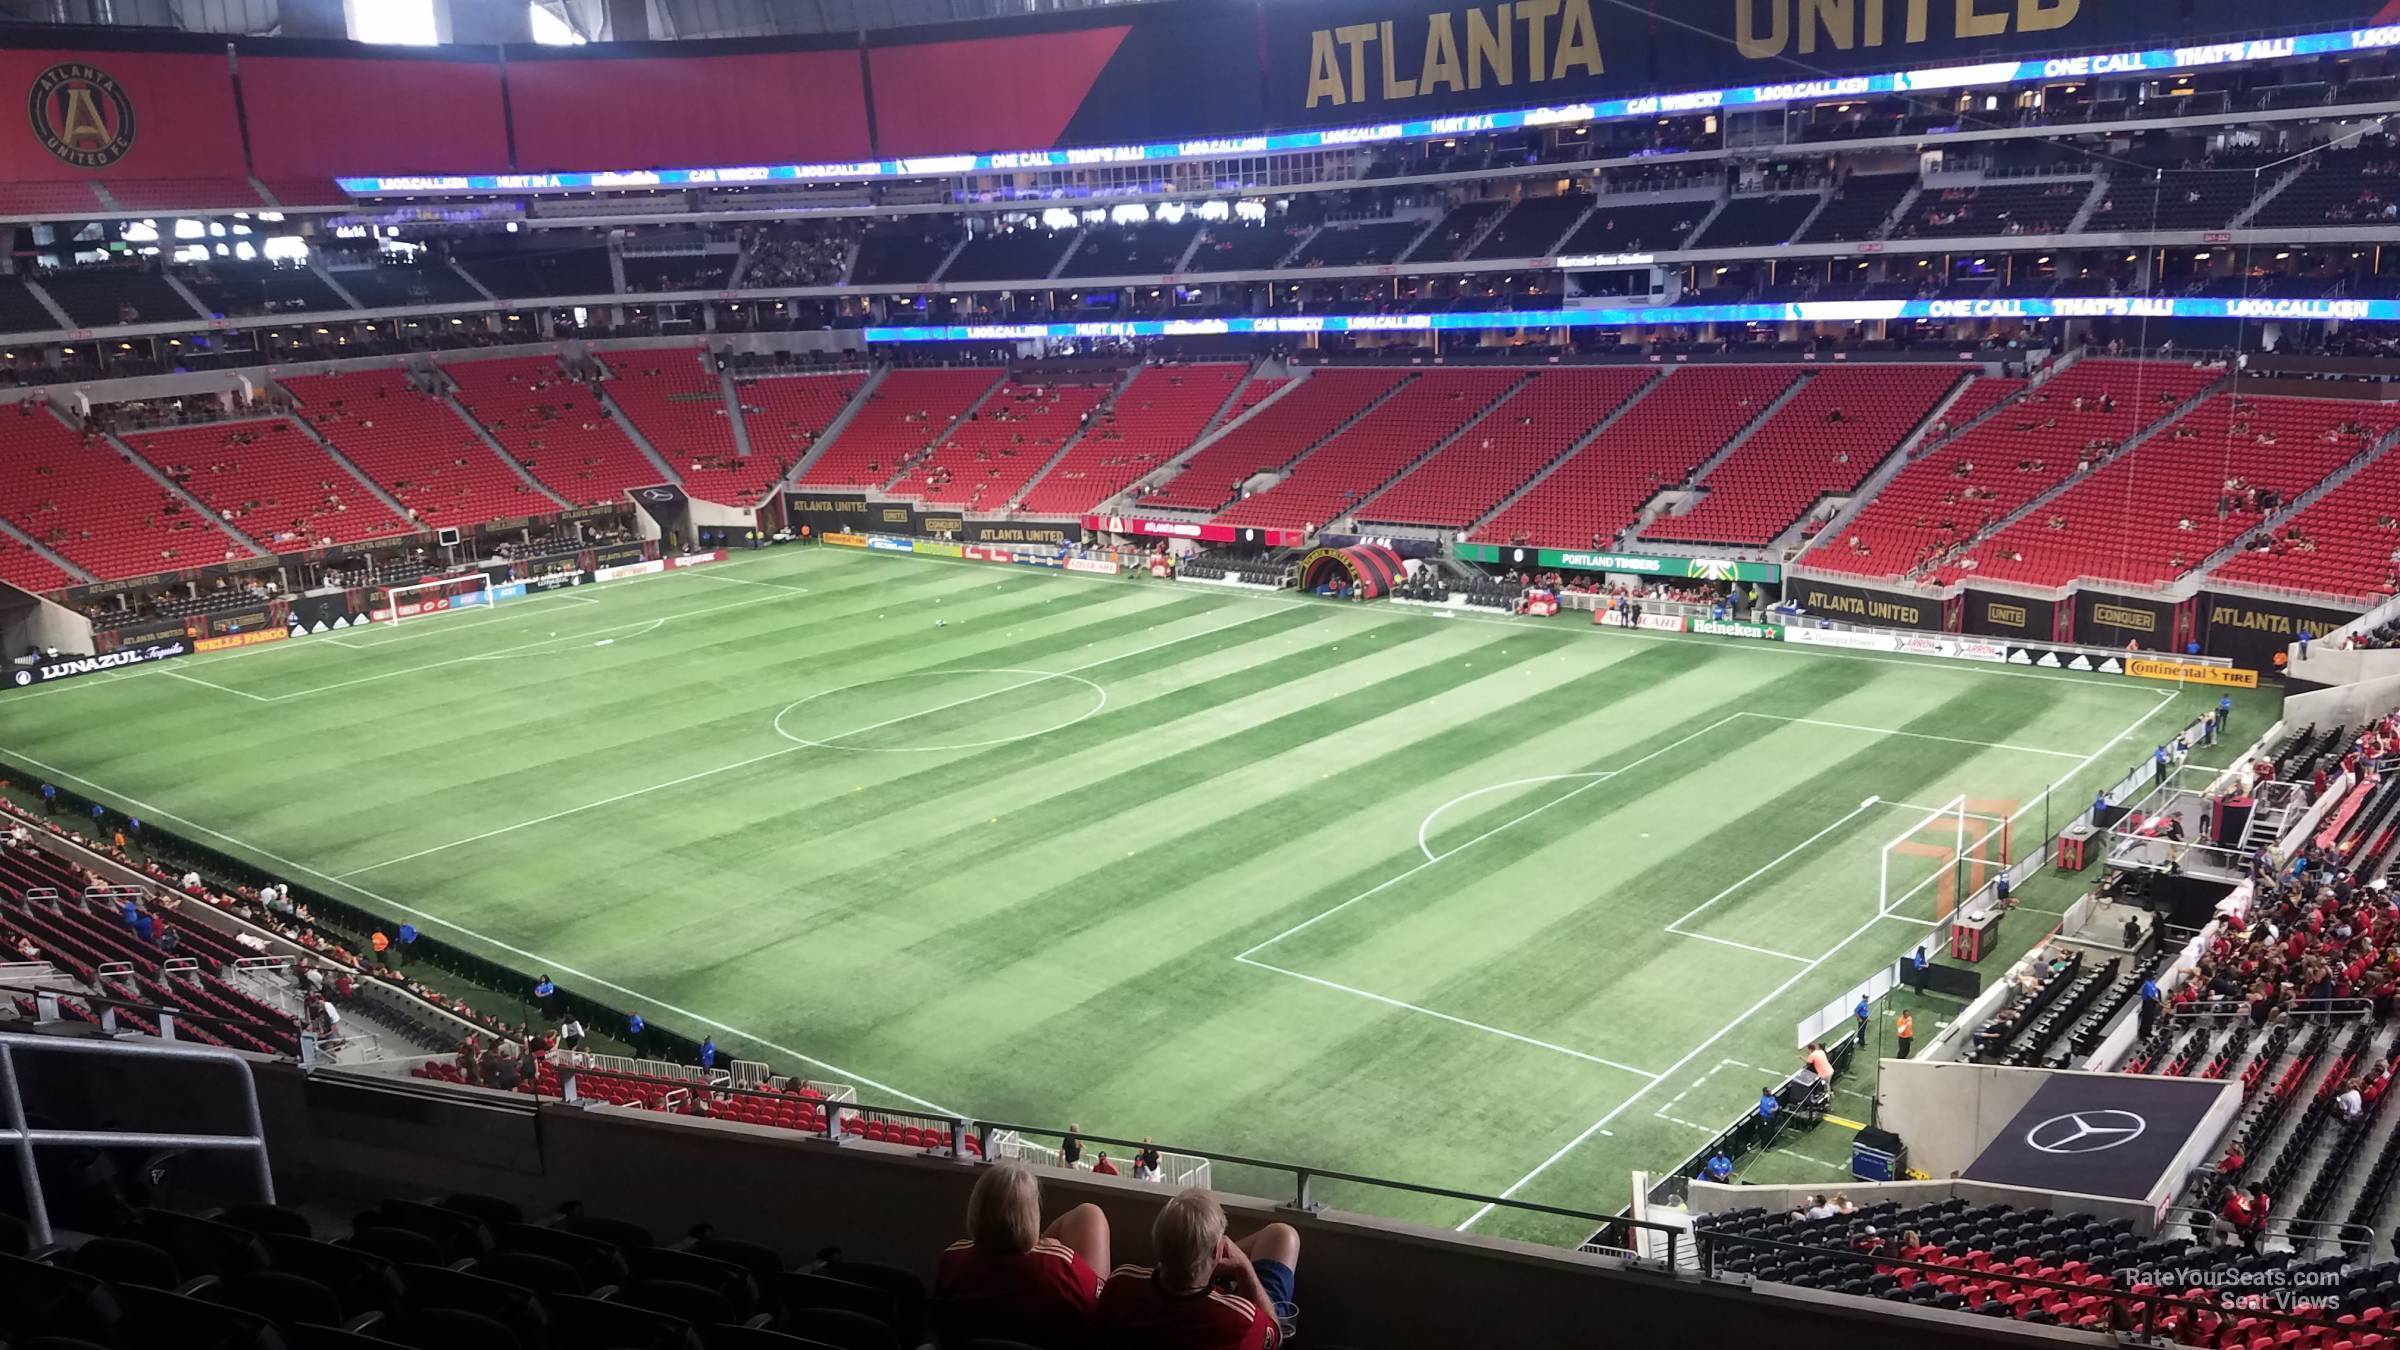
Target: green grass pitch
x=1505, y=906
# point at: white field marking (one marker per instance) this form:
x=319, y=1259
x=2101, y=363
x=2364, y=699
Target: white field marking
x=1687, y=1124
x=539, y=960
x=741, y=763
x=1729, y=942
x=1038, y=677
x=173, y=674
x=332, y=641
x=749, y=581
x=1927, y=663
x=506, y=651
x=1778, y=991
x=1426, y=825
x=564, y=643
x=1937, y=810
x=1446, y=1017
x=1394, y=880
x=1916, y=735
x=1843, y=1168
x=1777, y=861
x=1694, y=1053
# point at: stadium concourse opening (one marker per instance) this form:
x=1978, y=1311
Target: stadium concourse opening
x=1360, y=571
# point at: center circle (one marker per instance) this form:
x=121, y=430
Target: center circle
x=892, y=703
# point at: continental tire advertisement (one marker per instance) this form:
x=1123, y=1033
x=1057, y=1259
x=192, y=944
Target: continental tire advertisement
x=2250, y=632
x=2191, y=672
x=1862, y=604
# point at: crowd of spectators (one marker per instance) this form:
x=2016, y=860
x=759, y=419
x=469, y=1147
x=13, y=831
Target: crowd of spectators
x=808, y=254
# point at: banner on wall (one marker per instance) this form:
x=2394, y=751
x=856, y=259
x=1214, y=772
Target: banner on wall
x=1865, y=604
x=1049, y=532
x=1198, y=530
x=823, y=512
x=2251, y=632
x=2106, y=620
x=1664, y=566
x=2010, y=616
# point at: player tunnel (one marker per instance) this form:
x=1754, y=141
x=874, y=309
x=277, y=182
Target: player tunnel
x=1371, y=569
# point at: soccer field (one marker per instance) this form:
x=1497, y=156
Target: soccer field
x=1506, y=906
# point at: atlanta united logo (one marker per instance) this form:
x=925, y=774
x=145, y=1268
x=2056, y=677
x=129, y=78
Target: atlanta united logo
x=81, y=115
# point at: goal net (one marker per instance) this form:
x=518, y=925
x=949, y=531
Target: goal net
x=419, y=599
x=1950, y=853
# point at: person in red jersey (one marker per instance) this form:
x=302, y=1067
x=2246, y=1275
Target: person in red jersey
x=1207, y=1291
x=1012, y=1279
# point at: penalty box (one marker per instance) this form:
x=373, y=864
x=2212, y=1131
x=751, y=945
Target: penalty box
x=1552, y=909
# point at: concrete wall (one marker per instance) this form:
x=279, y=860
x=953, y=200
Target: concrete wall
x=2329, y=665
x=1946, y=1111
x=2348, y=704
x=341, y=1139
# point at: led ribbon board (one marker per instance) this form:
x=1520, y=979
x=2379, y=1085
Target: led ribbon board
x=1633, y=316
x=2195, y=57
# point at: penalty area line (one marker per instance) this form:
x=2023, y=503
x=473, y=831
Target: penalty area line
x=1455, y=1021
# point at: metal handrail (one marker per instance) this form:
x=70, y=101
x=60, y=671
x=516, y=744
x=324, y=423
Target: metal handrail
x=2327, y=1009
x=2311, y=1232
x=957, y=1128
x=16, y=1131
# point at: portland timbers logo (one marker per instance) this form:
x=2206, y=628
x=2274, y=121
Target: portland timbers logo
x=81, y=115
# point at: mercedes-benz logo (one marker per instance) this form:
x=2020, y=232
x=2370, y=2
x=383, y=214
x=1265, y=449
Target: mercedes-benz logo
x=2086, y=1132
x=658, y=494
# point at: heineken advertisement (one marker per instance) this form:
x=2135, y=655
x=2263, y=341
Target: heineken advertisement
x=1643, y=564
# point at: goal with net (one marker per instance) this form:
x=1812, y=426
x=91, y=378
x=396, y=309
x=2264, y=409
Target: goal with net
x=419, y=599
x=1950, y=853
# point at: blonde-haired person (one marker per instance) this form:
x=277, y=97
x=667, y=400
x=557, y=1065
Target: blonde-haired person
x=1012, y=1279
x=1207, y=1292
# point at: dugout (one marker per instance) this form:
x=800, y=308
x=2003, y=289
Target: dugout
x=1370, y=569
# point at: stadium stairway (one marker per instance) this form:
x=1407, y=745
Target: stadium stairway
x=1596, y=493
x=268, y=479
x=1926, y=511
x=2127, y=521
x=553, y=428
x=422, y=448
x=32, y=566
x=1799, y=457
x=1550, y=416
x=860, y=399
x=98, y=506
x=1158, y=415
x=1397, y=435
x=1314, y=411
x=2344, y=521
x=986, y=460
x=782, y=418
x=908, y=412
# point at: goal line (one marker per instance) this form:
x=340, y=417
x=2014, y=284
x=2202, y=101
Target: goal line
x=1953, y=850
x=420, y=599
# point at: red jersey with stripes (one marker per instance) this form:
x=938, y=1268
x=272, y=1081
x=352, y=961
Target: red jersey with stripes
x=1137, y=1314
x=1045, y=1296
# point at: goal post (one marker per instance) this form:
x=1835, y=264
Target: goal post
x=1951, y=852
x=420, y=599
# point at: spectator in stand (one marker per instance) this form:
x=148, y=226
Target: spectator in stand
x=1070, y=1148
x=2348, y=1101
x=1206, y=1292
x=1012, y=1279
x=570, y=1032
x=1101, y=1166
x=1146, y=1162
